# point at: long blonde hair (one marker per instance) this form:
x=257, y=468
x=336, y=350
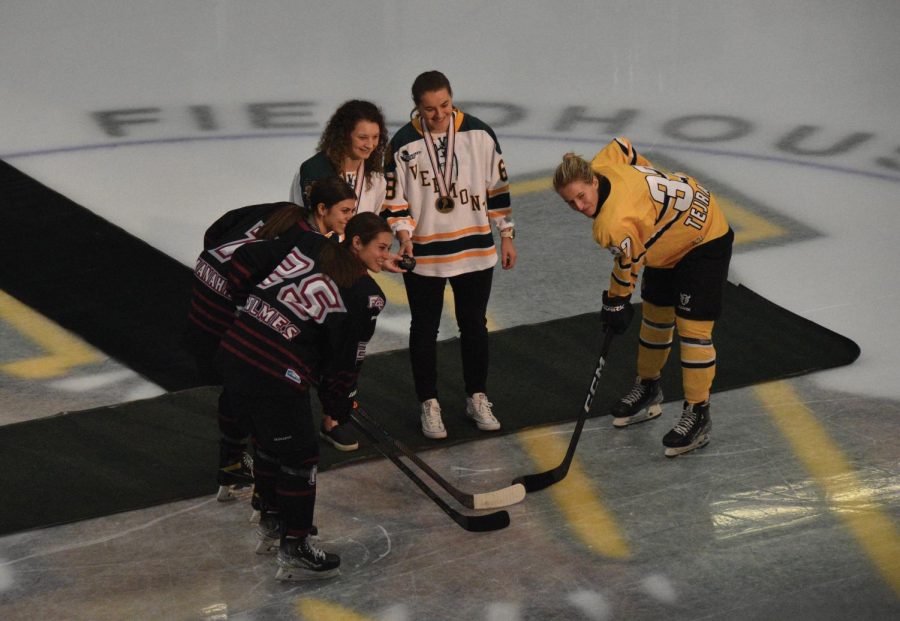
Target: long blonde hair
x=573, y=168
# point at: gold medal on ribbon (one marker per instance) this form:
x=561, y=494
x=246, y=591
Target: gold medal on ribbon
x=443, y=177
x=444, y=204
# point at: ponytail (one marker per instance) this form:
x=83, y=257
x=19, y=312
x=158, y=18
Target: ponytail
x=282, y=220
x=572, y=168
x=338, y=260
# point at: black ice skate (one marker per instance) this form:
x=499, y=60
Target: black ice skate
x=691, y=432
x=234, y=473
x=299, y=560
x=268, y=532
x=639, y=405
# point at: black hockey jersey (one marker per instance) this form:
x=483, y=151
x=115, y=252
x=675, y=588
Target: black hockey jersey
x=295, y=327
x=212, y=308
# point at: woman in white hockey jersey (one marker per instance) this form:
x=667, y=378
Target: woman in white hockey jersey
x=446, y=184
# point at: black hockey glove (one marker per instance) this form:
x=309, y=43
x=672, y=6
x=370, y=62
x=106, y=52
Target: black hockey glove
x=616, y=314
x=341, y=414
x=337, y=403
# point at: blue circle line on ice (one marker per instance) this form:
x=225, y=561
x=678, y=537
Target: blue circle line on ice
x=561, y=138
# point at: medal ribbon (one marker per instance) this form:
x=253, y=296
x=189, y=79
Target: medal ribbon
x=358, y=182
x=446, y=180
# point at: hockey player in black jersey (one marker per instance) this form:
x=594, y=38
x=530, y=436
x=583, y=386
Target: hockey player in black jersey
x=212, y=311
x=307, y=311
x=212, y=308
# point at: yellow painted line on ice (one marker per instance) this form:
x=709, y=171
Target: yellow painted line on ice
x=532, y=185
x=313, y=609
x=576, y=496
x=64, y=350
x=830, y=469
x=749, y=227
x=392, y=285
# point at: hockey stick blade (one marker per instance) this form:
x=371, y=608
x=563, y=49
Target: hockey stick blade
x=541, y=480
x=504, y=497
x=472, y=523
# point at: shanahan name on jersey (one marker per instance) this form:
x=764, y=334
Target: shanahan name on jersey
x=459, y=241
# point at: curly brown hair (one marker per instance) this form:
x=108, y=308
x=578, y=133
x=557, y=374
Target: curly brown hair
x=335, y=140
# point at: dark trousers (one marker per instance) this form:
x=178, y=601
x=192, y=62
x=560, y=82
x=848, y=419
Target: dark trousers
x=287, y=457
x=471, y=293
x=234, y=428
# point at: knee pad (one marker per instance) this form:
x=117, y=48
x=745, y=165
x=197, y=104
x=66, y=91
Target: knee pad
x=657, y=326
x=300, y=465
x=265, y=462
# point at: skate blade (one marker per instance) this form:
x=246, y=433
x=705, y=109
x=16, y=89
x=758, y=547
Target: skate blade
x=227, y=493
x=654, y=411
x=267, y=546
x=297, y=574
x=699, y=443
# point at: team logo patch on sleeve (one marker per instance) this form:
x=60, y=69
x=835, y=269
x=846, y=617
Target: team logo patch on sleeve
x=361, y=351
x=376, y=301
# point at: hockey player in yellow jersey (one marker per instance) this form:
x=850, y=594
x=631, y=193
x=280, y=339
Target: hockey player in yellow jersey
x=671, y=227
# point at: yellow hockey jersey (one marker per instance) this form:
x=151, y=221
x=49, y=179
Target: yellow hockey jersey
x=649, y=217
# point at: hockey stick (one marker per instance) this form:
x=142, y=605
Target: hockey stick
x=488, y=500
x=535, y=482
x=473, y=523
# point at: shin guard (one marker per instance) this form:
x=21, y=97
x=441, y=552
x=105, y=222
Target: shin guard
x=265, y=475
x=698, y=358
x=296, y=490
x=657, y=328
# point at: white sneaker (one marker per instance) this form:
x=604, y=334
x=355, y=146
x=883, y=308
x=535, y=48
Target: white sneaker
x=478, y=408
x=432, y=424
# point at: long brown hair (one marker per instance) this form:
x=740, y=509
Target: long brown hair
x=328, y=191
x=335, y=140
x=338, y=260
x=282, y=220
